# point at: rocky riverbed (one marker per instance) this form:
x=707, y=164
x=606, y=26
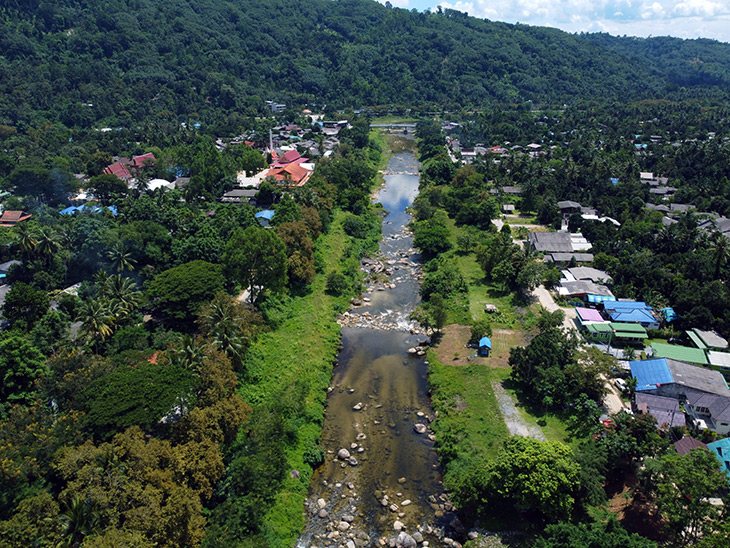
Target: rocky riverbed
x=380, y=483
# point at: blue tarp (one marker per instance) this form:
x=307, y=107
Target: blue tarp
x=669, y=314
x=267, y=214
x=650, y=373
x=614, y=181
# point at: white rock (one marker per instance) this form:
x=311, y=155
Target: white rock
x=343, y=453
x=420, y=428
x=405, y=502
x=321, y=503
x=398, y=525
x=357, y=406
x=343, y=526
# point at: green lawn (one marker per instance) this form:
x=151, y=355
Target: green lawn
x=469, y=419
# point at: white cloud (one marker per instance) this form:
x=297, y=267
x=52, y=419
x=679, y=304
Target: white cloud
x=682, y=18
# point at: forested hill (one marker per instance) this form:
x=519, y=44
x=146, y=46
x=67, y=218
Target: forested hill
x=113, y=62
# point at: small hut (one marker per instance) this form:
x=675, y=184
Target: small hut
x=485, y=346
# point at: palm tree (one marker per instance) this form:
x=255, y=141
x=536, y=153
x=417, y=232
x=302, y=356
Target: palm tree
x=25, y=238
x=79, y=520
x=120, y=258
x=96, y=321
x=122, y=293
x=187, y=353
x=47, y=244
x=720, y=248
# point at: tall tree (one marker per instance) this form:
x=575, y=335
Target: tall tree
x=256, y=258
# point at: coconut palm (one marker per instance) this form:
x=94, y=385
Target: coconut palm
x=121, y=293
x=96, y=321
x=120, y=258
x=25, y=238
x=187, y=353
x=720, y=248
x=48, y=244
x=79, y=520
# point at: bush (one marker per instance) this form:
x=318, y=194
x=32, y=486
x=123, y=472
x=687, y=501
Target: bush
x=337, y=284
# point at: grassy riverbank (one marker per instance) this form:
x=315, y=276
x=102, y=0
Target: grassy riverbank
x=286, y=375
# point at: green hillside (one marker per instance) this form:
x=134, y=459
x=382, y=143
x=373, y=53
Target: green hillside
x=114, y=63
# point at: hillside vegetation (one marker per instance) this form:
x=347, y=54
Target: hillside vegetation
x=117, y=63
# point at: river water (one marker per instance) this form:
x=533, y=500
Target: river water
x=379, y=393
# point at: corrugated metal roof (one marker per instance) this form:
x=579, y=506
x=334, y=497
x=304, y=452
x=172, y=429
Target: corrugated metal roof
x=650, y=373
x=682, y=353
x=719, y=359
x=696, y=339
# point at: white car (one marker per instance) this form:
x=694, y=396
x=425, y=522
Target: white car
x=620, y=384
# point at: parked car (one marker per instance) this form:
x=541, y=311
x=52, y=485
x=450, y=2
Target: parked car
x=620, y=384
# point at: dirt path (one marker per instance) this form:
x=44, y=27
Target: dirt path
x=515, y=423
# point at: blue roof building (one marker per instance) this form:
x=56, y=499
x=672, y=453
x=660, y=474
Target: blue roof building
x=485, y=345
x=651, y=374
x=265, y=216
x=721, y=450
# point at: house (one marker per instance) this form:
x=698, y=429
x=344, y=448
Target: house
x=239, y=196
x=721, y=449
x=120, y=171
x=632, y=312
x=265, y=216
x=628, y=332
x=154, y=184
x=485, y=346
x=557, y=242
x=589, y=315
x=512, y=190
x=587, y=273
x=704, y=391
x=686, y=444
x=567, y=207
x=677, y=352
x=706, y=340
x=138, y=162
x=292, y=174
x=665, y=410
x=88, y=208
x=582, y=289
x=10, y=218
x=564, y=259
x=508, y=208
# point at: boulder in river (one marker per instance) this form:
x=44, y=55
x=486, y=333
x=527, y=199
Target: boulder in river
x=405, y=540
x=357, y=406
x=419, y=428
x=343, y=453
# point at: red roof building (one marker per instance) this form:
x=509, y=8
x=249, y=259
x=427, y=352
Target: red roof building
x=120, y=171
x=138, y=162
x=291, y=174
x=11, y=218
x=685, y=445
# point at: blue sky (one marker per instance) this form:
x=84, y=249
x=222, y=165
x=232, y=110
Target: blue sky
x=682, y=18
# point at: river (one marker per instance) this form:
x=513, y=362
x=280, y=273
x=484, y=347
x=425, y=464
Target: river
x=377, y=400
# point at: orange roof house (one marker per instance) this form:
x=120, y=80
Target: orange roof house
x=11, y=218
x=291, y=174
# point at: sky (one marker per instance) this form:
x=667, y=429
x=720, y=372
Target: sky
x=681, y=18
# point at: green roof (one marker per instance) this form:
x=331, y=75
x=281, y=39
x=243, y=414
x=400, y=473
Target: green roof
x=696, y=339
x=598, y=328
x=681, y=353
x=628, y=327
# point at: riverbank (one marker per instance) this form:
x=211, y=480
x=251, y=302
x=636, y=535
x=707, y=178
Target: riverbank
x=381, y=478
